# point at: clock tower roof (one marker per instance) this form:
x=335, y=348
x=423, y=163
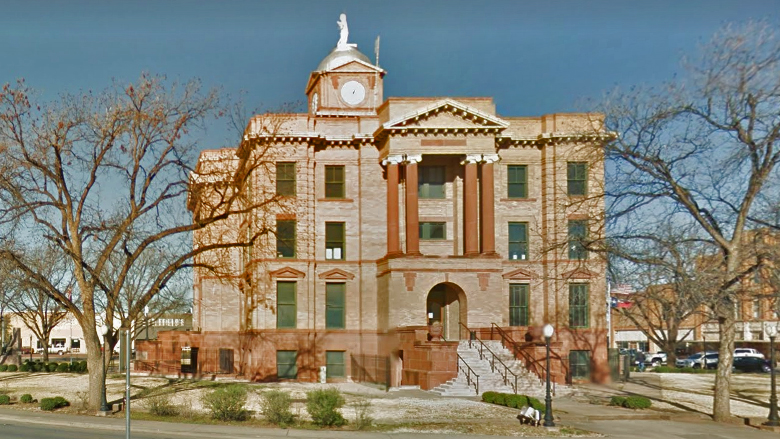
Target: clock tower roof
x=341, y=56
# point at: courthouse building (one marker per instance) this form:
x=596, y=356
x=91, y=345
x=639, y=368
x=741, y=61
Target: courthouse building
x=398, y=218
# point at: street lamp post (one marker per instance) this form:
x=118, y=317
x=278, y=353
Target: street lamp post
x=104, y=408
x=548, y=417
x=772, y=420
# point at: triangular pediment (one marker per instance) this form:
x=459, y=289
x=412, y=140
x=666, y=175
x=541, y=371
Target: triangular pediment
x=287, y=272
x=336, y=274
x=446, y=113
x=520, y=274
x=579, y=273
x=357, y=66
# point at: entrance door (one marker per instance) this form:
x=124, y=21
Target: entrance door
x=443, y=306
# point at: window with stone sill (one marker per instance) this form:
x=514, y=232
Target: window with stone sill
x=334, y=181
x=335, y=364
x=285, y=179
x=578, y=232
x=517, y=181
x=287, y=364
x=285, y=238
x=518, y=241
x=433, y=230
x=579, y=312
x=335, y=305
x=334, y=241
x=518, y=304
x=577, y=178
x=579, y=364
x=286, y=308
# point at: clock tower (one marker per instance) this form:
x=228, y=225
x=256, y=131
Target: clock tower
x=345, y=83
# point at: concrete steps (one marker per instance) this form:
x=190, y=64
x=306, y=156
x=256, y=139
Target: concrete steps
x=491, y=378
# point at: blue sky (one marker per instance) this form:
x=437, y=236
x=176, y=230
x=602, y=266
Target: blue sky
x=533, y=57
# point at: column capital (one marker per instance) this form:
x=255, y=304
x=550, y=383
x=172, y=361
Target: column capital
x=490, y=158
x=413, y=158
x=393, y=160
x=472, y=158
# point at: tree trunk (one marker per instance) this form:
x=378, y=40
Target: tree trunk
x=45, y=351
x=721, y=409
x=96, y=369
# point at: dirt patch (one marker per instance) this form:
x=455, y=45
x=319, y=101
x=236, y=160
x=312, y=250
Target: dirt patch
x=408, y=410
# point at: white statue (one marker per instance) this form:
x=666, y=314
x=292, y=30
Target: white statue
x=343, y=33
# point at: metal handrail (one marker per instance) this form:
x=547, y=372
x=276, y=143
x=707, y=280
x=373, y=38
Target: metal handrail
x=530, y=364
x=469, y=371
x=507, y=371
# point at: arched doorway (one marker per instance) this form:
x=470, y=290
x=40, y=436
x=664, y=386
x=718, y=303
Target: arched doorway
x=446, y=303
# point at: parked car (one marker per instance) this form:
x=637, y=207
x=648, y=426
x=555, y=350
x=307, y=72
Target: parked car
x=58, y=349
x=695, y=358
x=710, y=361
x=747, y=352
x=656, y=359
x=751, y=364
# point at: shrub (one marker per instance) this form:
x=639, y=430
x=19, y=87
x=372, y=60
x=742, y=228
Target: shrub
x=52, y=367
x=617, y=401
x=500, y=398
x=227, y=403
x=637, y=402
x=12, y=368
x=535, y=403
x=63, y=367
x=50, y=404
x=161, y=405
x=489, y=397
x=82, y=366
x=24, y=368
x=26, y=398
x=323, y=406
x=276, y=407
x=5, y=400
x=36, y=367
x=3, y=367
x=363, y=417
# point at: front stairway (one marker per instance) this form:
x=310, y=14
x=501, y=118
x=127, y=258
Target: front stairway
x=492, y=380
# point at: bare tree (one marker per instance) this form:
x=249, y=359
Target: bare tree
x=697, y=155
x=105, y=179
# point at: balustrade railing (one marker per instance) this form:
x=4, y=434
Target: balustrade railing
x=472, y=379
x=504, y=370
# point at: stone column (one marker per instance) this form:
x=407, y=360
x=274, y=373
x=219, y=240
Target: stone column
x=470, y=205
x=412, y=210
x=488, y=217
x=393, y=241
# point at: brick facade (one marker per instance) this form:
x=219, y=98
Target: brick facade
x=436, y=166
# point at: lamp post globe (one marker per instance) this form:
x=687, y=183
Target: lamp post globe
x=104, y=408
x=772, y=420
x=548, y=332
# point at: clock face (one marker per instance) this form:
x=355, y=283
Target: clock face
x=314, y=102
x=353, y=92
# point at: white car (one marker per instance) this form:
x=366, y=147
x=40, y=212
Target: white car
x=656, y=359
x=747, y=352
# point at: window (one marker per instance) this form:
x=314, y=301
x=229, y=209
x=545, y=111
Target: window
x=285, y=238
x=334, y=361
x=518, y=241
x=433, y=230
x=286, y=364
x=579, y=364
x=518, y=305
x=285, y=179
x=517, y=181
x=756, y=309
x=577, y=178
x=578, y=232
x=286, y=311
x=335, y=298
x=431, y=182
x=334, y=241
x=226, y=360
x=334, y=181
x=578, y=305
